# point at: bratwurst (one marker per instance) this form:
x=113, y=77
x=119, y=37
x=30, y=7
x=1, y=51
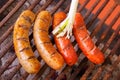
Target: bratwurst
x=21, y=42
x=42, y=41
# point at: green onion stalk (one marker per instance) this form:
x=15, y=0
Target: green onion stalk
x=65, y=27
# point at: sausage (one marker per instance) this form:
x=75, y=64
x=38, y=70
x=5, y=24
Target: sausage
x=21, y=42
x=63, y=44
x=84, y=41
x=42, y=41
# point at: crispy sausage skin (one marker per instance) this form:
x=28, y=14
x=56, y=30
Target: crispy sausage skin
x=21, y=42
x=85, y=42
x=63, y=44
x=44, y=46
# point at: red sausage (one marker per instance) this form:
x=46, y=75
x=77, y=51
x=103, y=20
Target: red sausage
x=84, y=41
x=63, y=44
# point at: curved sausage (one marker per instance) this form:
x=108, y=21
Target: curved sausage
x=85, y=42
x=21, y=42
x=42, y=41
x=63, y=44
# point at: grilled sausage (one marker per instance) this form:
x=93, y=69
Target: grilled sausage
x=21, y=42
x=85, y=42
x=63, y=44
x=44, y=46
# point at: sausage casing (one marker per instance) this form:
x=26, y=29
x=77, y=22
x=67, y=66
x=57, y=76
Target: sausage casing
x=44, y=46
x=21, y=42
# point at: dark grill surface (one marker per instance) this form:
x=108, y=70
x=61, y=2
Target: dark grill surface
x=102, y=18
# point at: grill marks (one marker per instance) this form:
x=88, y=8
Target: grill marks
x=23, y=26
x=21, y=42
x=40, y=29
x=31, y=57
x=26, y=48
x=23, y=39
x=44, y=20
x=86, y=38
x=85, y=42
x=45, y=42
x=67, y=47
x=53, y=53
x=81, y=27
x=27, y=18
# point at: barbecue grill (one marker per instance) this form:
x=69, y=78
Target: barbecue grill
x=102, y=18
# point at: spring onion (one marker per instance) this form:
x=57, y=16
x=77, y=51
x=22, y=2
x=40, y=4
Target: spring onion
x=65, y=27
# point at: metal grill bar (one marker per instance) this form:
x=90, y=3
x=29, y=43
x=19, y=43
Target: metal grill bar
x=97, y=13
x=45, y=6
x=6, y=34
x=114, y=66
x=87, y=72
x=78, y=69
x=40, y=72
x=66, y=10
x=118, y=76
x=99, y=24
x=9, y=61
x=6, y=48
x=91, y=9
x=50, y=74
x=116, y=32
x=17, y=67
x=6, y=5
x=101, y=68
x=82, y=6
x=115, y=48
x=57, y=6
x=104, y=34
x=20, y=3
x=64, y=73
x=31, y=7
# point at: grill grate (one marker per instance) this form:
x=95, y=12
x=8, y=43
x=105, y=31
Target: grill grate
x=106, y=37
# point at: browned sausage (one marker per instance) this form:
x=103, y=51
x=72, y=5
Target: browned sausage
x=43, y=43
x=85, y=42
x=21, y=42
